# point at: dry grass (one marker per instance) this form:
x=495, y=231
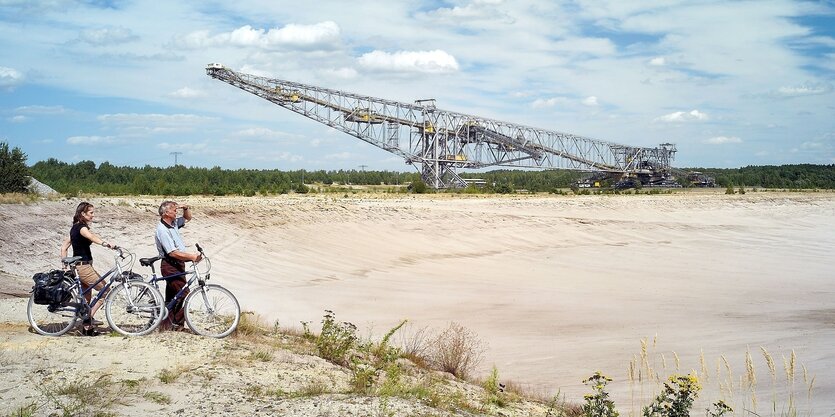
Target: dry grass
x=251, y=326
x=456, y=350
x=736, y=383
x=18, y=198
x=168, y=376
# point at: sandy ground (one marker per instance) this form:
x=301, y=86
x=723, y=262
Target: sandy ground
x=557, y=287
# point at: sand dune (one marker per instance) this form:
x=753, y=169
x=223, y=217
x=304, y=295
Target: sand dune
x=557, y=286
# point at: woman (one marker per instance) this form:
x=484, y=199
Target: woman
x=81, y=238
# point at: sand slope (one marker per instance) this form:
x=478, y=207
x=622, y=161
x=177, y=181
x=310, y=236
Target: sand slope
x=557, y=286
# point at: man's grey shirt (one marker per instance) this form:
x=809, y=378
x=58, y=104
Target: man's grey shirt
x=168, y=238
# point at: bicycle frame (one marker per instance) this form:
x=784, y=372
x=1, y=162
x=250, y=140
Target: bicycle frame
x=208, y=309
x=195, y=276
x=113, y=273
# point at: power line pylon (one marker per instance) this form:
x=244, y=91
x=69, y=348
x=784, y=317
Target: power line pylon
x=176, y=154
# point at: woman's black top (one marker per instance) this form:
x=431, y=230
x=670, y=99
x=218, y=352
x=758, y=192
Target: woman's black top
x=80, y=244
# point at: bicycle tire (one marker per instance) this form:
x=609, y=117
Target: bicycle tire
x=57, y=322
x=134, y=308
x=211, y=310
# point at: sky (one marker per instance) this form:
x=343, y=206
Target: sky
x=731, y=83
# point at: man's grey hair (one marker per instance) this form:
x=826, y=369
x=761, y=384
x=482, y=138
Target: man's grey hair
x=165, y=205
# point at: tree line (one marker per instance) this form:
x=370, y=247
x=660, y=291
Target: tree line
x=802, y=176
x=108, y=179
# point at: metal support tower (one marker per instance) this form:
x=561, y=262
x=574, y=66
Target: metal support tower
x=441, y=142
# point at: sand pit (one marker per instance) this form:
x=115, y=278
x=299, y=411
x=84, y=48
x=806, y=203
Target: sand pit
x=557, y=286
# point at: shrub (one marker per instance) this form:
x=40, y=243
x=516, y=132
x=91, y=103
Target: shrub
x=336, y=339
x=494, y=391
x=371, y=361
x=676, y=398
x=415, y=345
x=456, y=350
x=418, y=187
x=598, y=403
x=719, y=409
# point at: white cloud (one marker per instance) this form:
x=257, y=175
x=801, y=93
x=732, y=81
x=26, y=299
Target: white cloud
x=721, y=140
x=680, y=116
x=805, y=89
x=590, y=101
x=249, y=69
x=825, y=41
x=18, y=119
x=550, y=102
x=165, y=146
x=154, y=123
x=278, y=156
x=323, y=35
x=340, y=156
x=107, y=36
x=196, y=40
x=90, y=140
x=477, y=11
x=186, y=92
x=345, y=73
x=436, y=61
x=658, y=61
x=812, y=145
x=36, y=109
x=260, y=132
x=10, y=78
x=585, y=46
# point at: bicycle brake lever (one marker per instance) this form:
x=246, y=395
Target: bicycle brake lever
x=199, y=249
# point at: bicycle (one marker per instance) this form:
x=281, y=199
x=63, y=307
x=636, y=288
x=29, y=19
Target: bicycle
x=210, y=309
x=133, y=307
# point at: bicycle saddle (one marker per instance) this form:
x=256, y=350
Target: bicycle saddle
x=149, y=261
x=71, y=259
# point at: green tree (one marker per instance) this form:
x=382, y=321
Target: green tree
x=302, y=189
x=14, y=174
x=504, y=188
x=418, y=187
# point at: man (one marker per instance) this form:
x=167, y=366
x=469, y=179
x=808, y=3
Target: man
x=173, y=252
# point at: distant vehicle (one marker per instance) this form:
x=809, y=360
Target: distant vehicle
x=214, y=65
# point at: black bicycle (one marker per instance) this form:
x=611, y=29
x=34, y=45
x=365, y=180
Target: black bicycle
x=210, y=310
x=57, y=304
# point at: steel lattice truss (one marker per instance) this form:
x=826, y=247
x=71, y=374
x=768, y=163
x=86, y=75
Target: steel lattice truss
x=441, y=142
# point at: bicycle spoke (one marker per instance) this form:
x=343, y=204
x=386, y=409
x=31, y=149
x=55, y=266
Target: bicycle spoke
x=134, y=308
x=212, y=310
x=56, y=322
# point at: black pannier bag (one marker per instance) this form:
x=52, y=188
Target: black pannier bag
x=131, y=276
x=51, y=287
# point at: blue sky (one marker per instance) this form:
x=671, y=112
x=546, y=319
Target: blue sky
x=731, y=83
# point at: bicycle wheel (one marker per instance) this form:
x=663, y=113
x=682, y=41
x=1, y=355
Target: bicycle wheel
x=53, y=320
x=134, y=308
x=212, y=310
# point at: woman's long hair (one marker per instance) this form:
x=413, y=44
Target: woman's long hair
x=82, y=207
